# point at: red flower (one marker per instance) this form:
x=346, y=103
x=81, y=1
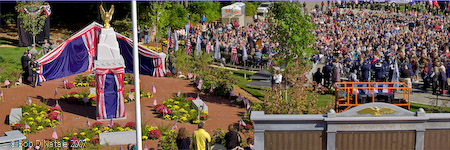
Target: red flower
x=190, y=98
x=53, y=117
x=203, y=116
x=94, y=98
x=17, y=126
x=98, y=124
x=95, y=141
x=131, y=90
x=248, y=126
x=71, y=93
x=154, y=134
x=131, y=125
x=69, y=85
x=53, y=113
x=56, y=108
x=93, y=83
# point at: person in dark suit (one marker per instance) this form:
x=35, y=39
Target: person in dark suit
x=365, y=69
x=326, y=70
x=25, y=67
x=318, y=76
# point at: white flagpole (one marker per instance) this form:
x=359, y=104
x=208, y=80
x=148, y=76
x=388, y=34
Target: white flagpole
x=136, y=76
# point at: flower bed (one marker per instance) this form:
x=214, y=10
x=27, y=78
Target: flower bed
x=91, y=134
x=128, y=78
x=180, y=109
x=77, y=98
x=129, y=99
x=218, y=82
x=84, y=81
x=35, y=118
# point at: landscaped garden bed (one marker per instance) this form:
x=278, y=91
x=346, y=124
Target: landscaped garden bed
x=35, y=118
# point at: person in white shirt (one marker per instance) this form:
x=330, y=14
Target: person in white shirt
x=277, y=77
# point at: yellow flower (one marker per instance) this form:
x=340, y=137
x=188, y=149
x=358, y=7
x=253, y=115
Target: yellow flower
x=193, y=110
x=174, y=117
x=125, y=101
x=176, y=102
x=30, y=123
x=65, y=138
x=80, y=84
x=47, y=120
x=187, y=115
x=153, y=128
x=91, y=95
x=186, y=105
x=176, y=106
x=95, y=129
x=203, y=113
x=75, y=133
x=34, y=105
x=183, y=119
x=106, y=131
x=98, y=131
x=82, y=133
x=42, y=112
x=127, y=128
x=55, y=122
x=125, y=82
x=110, y=130
x=85, y=84
x=27, y=130
x=170, y=100
x=26, y=114
x=105, y=128
x=167, y=116
x=195, y=121
x=144, y=137
x=120, y=128
x=14, y=123
x=30, y=118
x=169, y=106
x=62, y=97
x=87, y=139
x=76, y=95
x=40, y=128
x=142, y=95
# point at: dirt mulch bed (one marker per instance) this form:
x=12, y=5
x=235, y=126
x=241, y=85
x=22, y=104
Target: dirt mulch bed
x=221, y=110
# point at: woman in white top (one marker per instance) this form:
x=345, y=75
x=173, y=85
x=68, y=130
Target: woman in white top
x=277, y=78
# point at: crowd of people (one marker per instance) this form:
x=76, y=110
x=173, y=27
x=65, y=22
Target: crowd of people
x=228, y=43
x=368, y=46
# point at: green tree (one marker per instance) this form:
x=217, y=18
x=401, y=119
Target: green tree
x=33, y=23
x=293, y=31
x=208, y=8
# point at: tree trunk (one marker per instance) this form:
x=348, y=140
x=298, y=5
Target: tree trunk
x=186, y=4
x=34, y=40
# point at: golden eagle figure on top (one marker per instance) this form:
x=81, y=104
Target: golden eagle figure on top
x=375, y=111
x=106, y=16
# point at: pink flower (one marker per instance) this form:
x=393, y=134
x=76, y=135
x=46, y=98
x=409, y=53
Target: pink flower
x=154, y=134
x=190, y=99
x=55, y=108
x=71, y=93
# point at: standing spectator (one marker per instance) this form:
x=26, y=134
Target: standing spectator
x=249, y=144
x=36, y=71
x=33, y=50
x=146, y=35
x=318, y=77
x=405, y=76
x=326, y=70
x=255, y=18
x=171, y=61
x=201, y=138
x=442, y=79
x=232, y=138
x=203, y=19
x=277, y=77
x=139, y=33
x=435, y=77
x=183, y=140
x=25, y=67
x=46, y=47
x=337, y=67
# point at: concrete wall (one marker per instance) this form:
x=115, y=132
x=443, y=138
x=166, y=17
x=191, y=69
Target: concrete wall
x=352, y=121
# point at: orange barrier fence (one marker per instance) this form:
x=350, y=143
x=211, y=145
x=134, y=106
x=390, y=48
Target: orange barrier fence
x=350, y=94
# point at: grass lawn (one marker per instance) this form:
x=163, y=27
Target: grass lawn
x=428, y=108
x=10, y=65
x=324, y=100
x=242, y=83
